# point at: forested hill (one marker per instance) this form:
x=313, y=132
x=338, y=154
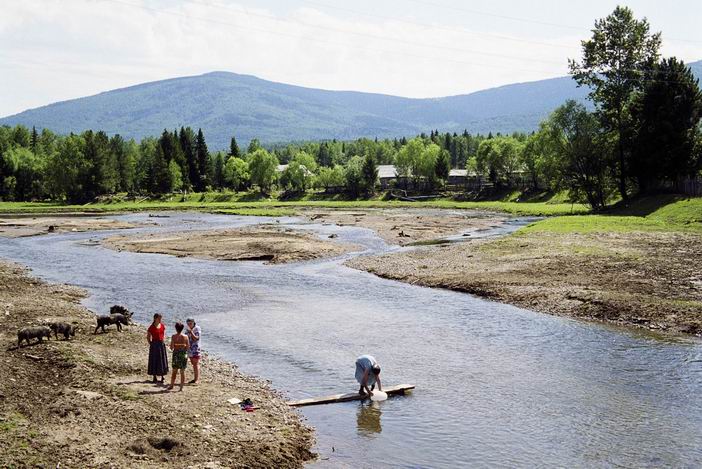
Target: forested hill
x=225, y=103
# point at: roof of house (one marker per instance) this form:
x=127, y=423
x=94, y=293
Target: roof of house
x=387, y=171
x=283, y=167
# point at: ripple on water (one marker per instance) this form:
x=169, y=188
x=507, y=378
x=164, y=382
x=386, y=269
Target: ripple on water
x=496, y=385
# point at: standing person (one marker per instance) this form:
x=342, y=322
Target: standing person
x=193, y=334
x=179, y=345
x=158, y=358
x=367, y=374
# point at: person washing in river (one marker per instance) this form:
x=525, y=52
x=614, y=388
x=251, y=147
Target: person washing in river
x=158, y=358
x=367, y=374
x=193, y=332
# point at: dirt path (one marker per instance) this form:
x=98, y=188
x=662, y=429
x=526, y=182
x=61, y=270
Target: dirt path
x=85, y=402
x=15, y=227
x=270, y=243
x=408, y=225
x=650, y=280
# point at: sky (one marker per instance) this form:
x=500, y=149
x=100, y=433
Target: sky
x=53, y=50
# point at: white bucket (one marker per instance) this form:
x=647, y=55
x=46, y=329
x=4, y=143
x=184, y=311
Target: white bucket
x=379, y=396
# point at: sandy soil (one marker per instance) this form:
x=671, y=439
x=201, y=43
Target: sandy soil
x=408, y=225
x=85, y=402
x=24, y=226
x=269, y=243
x=651, y=280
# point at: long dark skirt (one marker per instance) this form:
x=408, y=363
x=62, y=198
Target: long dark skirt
x=158, y=359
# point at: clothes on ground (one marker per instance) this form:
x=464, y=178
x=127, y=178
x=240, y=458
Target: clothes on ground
x=363, y=363
x=158, y=358
x=194, y=351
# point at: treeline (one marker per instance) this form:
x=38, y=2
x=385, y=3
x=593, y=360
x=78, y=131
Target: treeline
x=79, y=167
x=644, y=132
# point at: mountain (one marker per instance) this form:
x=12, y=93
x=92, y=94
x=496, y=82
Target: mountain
x=226, y=104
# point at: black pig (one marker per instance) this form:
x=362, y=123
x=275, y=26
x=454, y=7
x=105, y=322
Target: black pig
x=28, y=333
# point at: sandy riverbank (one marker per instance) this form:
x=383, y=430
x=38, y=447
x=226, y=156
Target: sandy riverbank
x=650, y=280
x=404, y=226
x=15, y=227
x=269, y=243
x=85, y=402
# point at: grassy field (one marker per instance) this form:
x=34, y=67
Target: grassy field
x=251, y=204
x=660, y=213
x=655, y=213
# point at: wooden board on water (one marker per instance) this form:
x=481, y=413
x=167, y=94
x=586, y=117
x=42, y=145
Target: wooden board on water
x=351, y=396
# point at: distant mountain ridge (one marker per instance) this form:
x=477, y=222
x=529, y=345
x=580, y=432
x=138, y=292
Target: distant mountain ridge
x=225, y=104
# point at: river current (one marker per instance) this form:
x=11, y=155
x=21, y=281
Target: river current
x=496, y=385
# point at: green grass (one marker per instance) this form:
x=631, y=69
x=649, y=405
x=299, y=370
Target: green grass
x=655, y=213
x=9, y=422
x=661, y=213
x=253, y=204
x=125, y=394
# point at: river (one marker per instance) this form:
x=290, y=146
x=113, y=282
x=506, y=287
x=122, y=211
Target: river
x=496, y=385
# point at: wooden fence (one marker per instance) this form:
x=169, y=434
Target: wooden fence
x=689, y=186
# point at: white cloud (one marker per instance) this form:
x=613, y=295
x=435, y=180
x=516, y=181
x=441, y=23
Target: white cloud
x=52, y=50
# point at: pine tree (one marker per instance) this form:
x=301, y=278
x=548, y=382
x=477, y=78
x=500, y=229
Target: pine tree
x=166, y=144
x=234, y=151
x=666, y=116
x=218, y=176
x=34, y=140
x=324, y=155
x=443, y=166
x=160, y=177
x=369, y=173
x=187, y=147
x=203, y=157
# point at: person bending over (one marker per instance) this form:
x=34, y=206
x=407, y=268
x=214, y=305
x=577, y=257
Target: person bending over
x=367, y=374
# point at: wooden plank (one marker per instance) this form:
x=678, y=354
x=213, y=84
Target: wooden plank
x=400, y=389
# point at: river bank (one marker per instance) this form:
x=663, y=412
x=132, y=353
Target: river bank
x=86, y=402
x=632, y=271
x=253, y=203
x=404, y=226
x=20, y=226
x=505, y=386
x=269, y=243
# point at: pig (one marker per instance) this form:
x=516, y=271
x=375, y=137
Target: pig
x=28, y=333
x=117, y=309
x=66, y=329
x=117, y=319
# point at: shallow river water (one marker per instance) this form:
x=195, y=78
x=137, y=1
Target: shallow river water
x=497, y=386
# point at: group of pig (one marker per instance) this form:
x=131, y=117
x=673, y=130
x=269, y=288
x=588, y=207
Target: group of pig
x=119, y=316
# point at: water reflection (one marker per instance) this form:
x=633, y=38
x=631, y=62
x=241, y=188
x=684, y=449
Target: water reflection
x=368, y=419
x=504, y=387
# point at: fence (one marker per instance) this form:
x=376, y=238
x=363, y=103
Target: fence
x=689, y=186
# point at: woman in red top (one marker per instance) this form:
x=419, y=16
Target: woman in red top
x=158, y=359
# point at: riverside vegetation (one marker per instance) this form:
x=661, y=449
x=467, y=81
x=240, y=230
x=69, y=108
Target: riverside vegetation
x=644, y=133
